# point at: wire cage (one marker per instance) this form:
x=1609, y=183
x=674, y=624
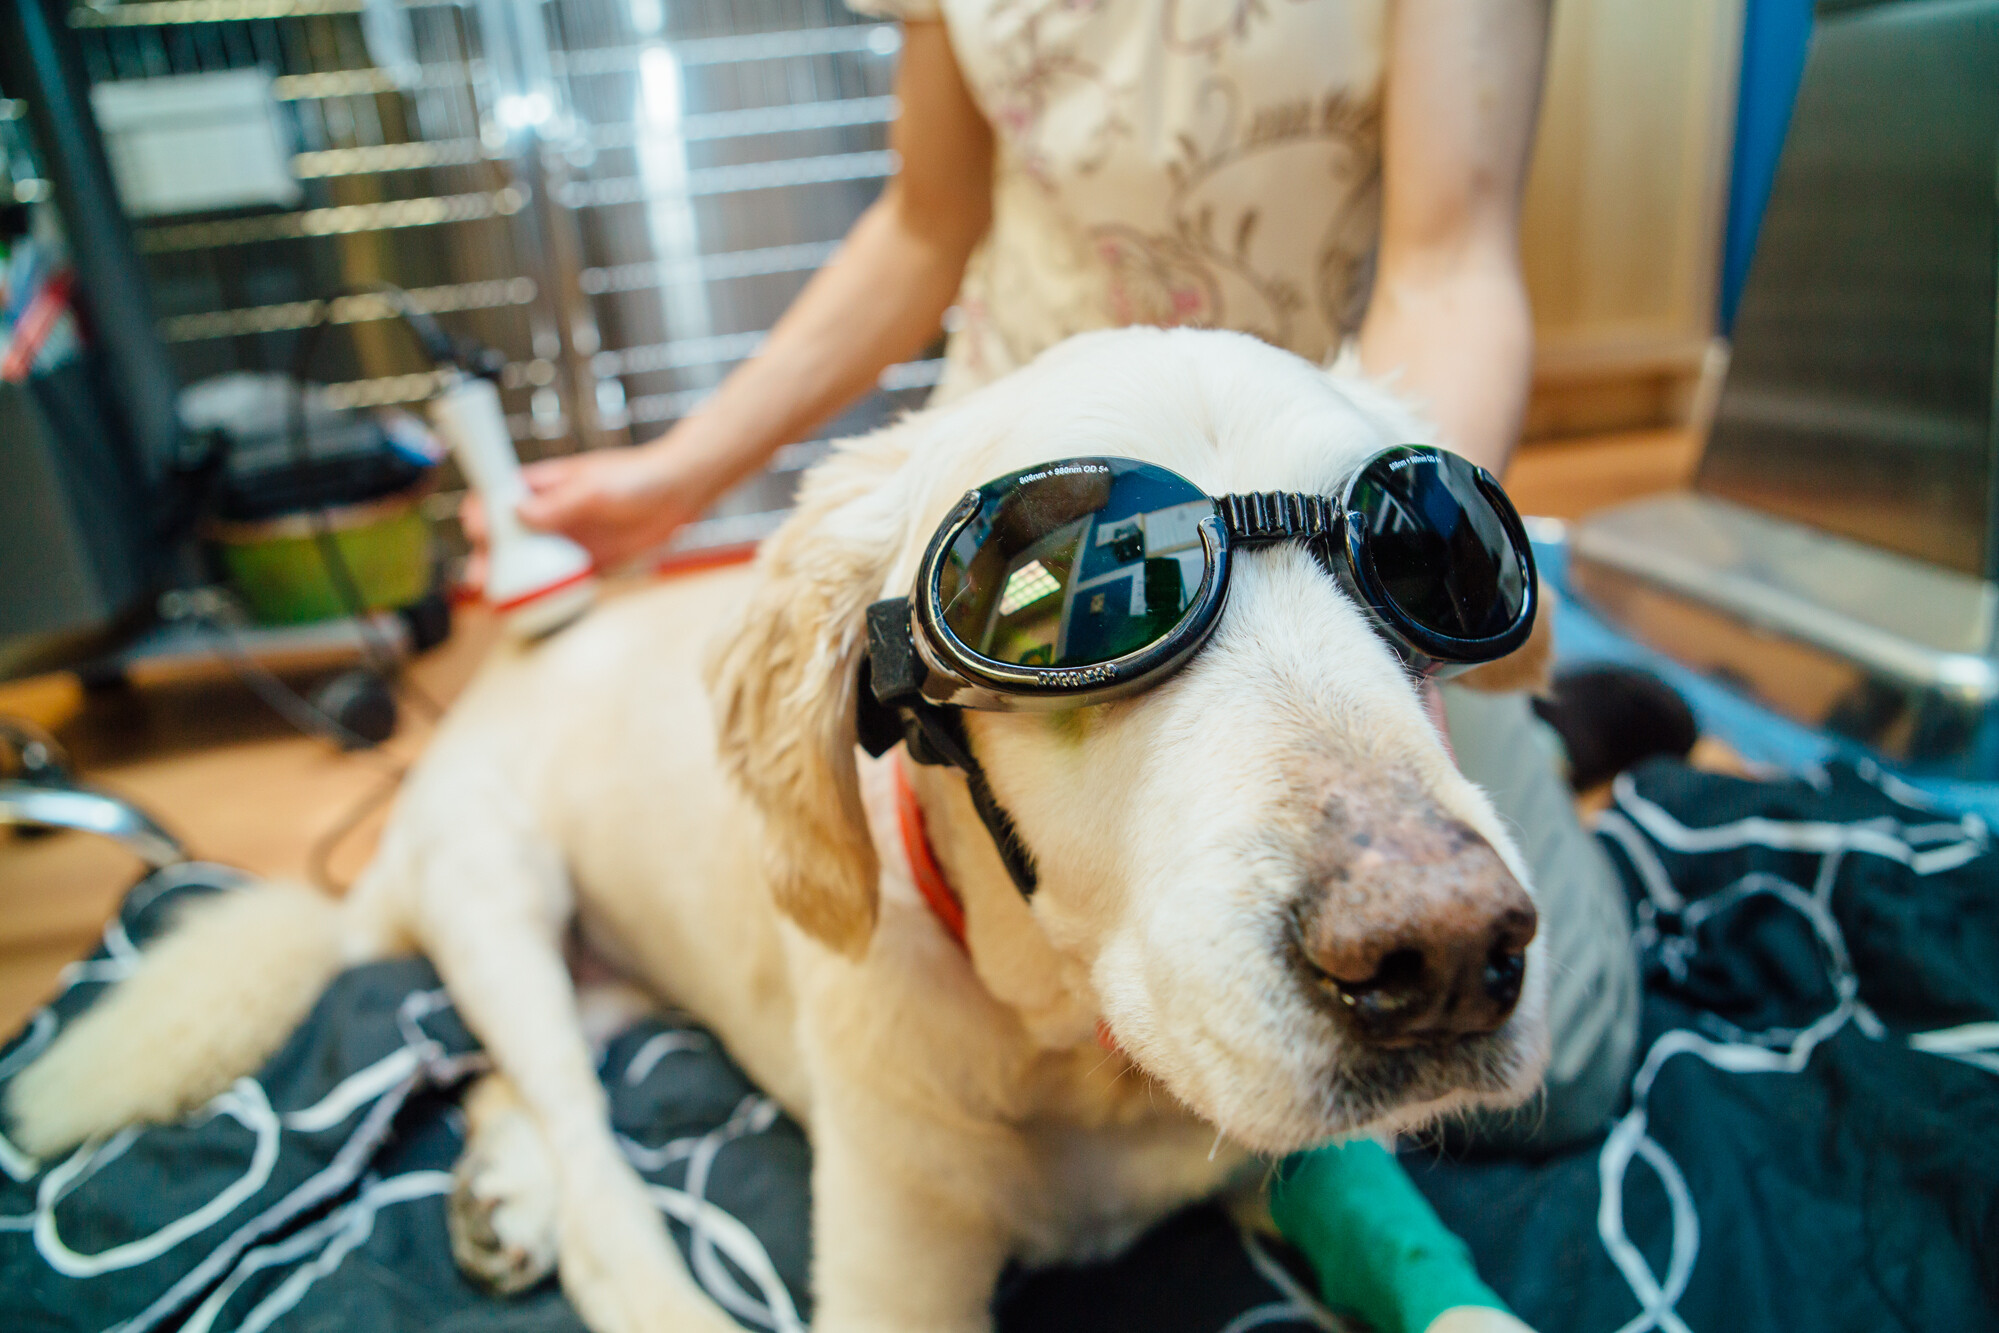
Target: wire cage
x=621, y=195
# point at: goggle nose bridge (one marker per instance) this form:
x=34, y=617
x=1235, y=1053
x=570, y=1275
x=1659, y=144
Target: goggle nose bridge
x=1260, y=517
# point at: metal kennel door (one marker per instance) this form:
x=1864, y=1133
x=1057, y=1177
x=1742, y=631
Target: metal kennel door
x=622, y=195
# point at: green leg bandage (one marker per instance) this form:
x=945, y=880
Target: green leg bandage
x=1377, y=1246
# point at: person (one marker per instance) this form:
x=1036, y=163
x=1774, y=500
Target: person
x=1340, y=177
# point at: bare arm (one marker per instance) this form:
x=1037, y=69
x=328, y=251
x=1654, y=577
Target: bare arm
x=1449, y=319
x=878, y=301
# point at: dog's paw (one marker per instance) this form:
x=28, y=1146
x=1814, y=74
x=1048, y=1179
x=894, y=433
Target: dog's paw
x=502, y=1213
x=620, y=1268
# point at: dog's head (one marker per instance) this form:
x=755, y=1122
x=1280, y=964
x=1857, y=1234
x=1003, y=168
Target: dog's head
x=1290, y=907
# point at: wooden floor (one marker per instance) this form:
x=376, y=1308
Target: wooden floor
x=216, y=767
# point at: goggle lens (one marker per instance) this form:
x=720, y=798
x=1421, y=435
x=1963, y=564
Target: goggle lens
x=1436, y=545
x=1075, y=563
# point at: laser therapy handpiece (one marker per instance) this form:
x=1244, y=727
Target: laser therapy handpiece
x=537, y=581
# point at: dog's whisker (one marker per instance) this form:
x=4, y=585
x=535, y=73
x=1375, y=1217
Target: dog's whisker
x=1560, y=966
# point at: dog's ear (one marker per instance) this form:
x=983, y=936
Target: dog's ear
x=1526, y=667
x=784, y=681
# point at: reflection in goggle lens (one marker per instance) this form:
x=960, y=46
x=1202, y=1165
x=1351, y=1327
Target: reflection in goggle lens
x=1075, y=563
x=1437, y=546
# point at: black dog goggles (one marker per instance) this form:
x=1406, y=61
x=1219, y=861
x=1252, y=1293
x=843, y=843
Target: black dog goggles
x=1092, y=578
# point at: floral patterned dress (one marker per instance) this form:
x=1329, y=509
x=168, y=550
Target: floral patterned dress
x=1206, y=162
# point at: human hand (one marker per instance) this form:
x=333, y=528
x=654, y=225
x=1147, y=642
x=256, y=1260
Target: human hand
x=615, y=503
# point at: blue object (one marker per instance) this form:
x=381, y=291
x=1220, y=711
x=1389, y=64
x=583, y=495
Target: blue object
x=1757, y=734
x=1775, y=35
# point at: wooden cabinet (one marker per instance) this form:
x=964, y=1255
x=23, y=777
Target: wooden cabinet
x=1626, y=201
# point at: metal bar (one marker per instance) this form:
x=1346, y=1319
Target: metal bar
x=654, y=407
x=388, y=390
x=384, y=391
x=731, y=530
x=326, y=162
x=555, y=251
x=665, y=406
x=341, y=221
x=36, y=805
x=702, y=126
x=760, y=120
x=781, y=174
x=912, y=375
x=882, y=39
x=355, y=309
x=679, y=354
x=368, y=81
x=797, y=457
x=164, y=13
x=707, y=268
x=789, y=44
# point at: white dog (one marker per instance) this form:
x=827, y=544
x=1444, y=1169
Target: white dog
x=1202, y=846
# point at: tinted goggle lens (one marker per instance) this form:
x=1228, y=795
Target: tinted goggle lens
x=1075, y=563
x=1437, y=545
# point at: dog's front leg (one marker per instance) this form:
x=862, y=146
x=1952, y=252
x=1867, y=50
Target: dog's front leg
x=907, y=1229
x=491, y=911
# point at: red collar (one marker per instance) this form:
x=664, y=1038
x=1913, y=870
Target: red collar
x=929, y=876
x=923, y=867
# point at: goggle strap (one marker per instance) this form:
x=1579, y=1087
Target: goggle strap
x=889, y=708
x=1012, y=851
x=1274, y=516
x=937, y=736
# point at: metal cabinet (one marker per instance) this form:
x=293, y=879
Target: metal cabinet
x=1839, y=556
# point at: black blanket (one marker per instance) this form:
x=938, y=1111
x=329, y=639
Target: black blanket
x=1809, y=1146
x=312, y=1197
x=1813, y=1137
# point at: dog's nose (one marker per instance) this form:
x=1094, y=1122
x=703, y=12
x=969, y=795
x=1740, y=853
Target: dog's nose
x=1421, y=940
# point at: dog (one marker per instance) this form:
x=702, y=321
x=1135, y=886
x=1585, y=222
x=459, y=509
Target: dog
x=1149, y=1027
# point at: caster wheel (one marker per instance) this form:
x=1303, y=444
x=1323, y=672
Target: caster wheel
x=361, y=702
x=98, y=678
x=428, y=620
